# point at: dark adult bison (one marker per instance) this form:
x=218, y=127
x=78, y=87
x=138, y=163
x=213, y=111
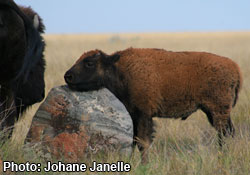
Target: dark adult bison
x=32, y=90
x=155, y=82
x=21, y=60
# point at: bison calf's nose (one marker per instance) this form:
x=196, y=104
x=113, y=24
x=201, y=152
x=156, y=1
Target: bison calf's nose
x=69, y=77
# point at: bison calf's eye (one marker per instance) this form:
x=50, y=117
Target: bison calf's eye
x=89, y=65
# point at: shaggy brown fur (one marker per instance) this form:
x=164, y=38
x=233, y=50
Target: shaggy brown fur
x=159, y=83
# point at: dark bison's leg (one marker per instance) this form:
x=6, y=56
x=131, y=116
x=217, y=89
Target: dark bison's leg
x=144, y=131
x=8, y=109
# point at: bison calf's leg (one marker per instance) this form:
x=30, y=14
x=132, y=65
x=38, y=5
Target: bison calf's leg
x=144, y=131
x=222, y=123
x=230, y=128
x=225, y=128
x=218, y=113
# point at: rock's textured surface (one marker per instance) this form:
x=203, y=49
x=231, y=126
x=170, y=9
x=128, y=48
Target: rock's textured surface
x=71, y=124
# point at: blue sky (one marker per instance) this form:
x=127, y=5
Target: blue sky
x=126, y=16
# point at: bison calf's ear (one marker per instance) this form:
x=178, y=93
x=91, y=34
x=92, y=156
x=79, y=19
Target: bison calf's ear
x=111, y=59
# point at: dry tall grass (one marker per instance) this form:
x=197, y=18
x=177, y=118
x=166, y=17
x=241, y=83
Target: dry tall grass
x=180, y=147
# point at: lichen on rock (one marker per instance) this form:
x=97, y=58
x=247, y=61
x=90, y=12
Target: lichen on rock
x=71, y=125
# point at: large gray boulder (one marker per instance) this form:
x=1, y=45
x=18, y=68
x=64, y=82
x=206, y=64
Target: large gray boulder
x=71, y=125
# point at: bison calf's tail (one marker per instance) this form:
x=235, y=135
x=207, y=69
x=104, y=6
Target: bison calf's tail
x=238, y=87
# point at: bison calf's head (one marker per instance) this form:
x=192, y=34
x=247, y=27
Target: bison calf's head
x=90, y=70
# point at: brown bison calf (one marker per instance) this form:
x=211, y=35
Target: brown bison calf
x=155, y=82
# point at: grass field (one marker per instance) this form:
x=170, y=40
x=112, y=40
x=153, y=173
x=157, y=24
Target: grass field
x=179, y=147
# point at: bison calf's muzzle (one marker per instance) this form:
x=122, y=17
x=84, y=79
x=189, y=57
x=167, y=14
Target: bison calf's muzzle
x=69, y=77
